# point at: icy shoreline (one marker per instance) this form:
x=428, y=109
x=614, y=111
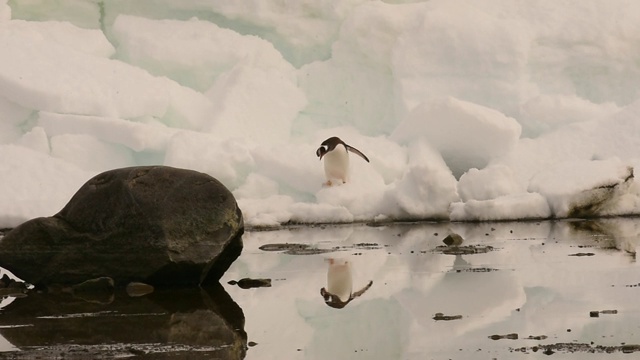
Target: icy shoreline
x=386, y=223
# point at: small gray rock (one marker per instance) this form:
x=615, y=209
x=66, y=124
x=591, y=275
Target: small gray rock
x=453, y=239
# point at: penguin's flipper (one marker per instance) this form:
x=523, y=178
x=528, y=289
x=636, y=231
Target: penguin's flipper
x=356, y=151
x=361, y=291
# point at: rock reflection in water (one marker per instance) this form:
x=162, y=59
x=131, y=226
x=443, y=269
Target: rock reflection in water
x=203, y=322
x=339, y=290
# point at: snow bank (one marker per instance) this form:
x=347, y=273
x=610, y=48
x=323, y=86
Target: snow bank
x=90, y=41
x=469, y=51
x=87, y=152
x=84, y=14
x=488, y=183
x=545, y=113
x=193, y=53
x=499, y=110
x=303, y=30
x=35, y=184
x=254, y=103
x=427, y=187
x=45, y=75
x=583, y=188
x=134, y=135
x=467, y=135
x=229, y=161
x=236, y=72
x=356, y=85
x=5, y=11
x=507, y=207
x=11, y=116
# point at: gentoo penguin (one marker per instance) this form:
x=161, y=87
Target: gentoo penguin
x=339, y=285
x=336, y=159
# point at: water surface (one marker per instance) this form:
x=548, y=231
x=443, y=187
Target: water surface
x=568, y=289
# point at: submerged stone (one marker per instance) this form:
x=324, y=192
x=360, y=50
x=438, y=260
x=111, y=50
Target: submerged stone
x=98, y=290
x=155, y=224
x=103, y=284
x=136, y=289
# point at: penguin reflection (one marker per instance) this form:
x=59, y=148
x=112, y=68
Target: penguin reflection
x=339, y=285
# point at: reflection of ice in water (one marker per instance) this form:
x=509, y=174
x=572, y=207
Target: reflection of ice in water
x=527, y=285
x=4, y=344
x=6, y=301
x=619, y=232
x=339, y=290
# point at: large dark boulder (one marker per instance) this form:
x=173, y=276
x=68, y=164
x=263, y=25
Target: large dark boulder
x=154, y=224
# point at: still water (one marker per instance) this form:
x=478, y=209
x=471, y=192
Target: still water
x=566, y=289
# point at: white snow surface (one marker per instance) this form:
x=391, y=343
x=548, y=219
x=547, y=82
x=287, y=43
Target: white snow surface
x=493, y=110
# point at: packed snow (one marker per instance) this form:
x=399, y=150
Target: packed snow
x=488, y=110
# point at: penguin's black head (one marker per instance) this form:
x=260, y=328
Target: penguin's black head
x=328, y=145
x=322, y=150
x=333, y=300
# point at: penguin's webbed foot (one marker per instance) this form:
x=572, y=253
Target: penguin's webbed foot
x=333, y=182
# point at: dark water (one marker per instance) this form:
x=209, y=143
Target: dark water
x=165, y=323
x=566, y=289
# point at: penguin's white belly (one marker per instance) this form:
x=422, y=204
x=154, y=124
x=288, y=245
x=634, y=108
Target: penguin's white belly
x=336, y=164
